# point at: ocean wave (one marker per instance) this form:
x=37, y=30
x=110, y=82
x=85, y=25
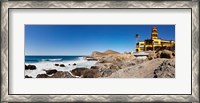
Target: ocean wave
x=81, y=58
x=57, y=59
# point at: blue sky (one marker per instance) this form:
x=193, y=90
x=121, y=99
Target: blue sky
x=83, y=39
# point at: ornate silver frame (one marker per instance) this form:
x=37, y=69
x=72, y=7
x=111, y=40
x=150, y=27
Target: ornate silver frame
x=193, y=5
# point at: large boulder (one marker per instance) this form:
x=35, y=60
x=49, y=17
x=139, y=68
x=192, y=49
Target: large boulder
x=42, y=76
x=165, y=70
x=30, y=67
x=106, y=72
x=26, y=76
x=104, y=61
x=62, y=65
x=91, y=73
x=106, y=66
x=106, y=69
x=78, y=71
x=56, y=64
x=61, y=74
x=91, y=59
x=94, y=67
x=173, y=53
x=165, y=54
x=151, y=56
x=26, y=67
x=51, y=71
x=116, y=66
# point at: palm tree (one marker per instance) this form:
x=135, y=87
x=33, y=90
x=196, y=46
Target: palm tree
x=136, y=36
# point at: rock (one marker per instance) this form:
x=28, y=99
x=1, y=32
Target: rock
x=91, y=73
x=62, y=65
x=26, y=67
x=74, y=64
x=104, y=65
x=158, y=53
x=51, y=71
x=78, y=71
x=117, y=58
x=151, y=56
x=142, y=70
x=115, y=67
x=165, y=54
x=173, y=54
x=30, y=67
x=68, y=64
x=56, y=64
x=138, y=61
x=42, y=76
x=106, y=72
x=109, y=66
x=26, y=76
x=165, y=70
x=111, y=59
x=104, y=61
x=103, y=70
x=61, y=74
x=94, y=67
x=91, y=59
x=127, y=64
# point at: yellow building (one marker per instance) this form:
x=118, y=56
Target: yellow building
x=155, y=43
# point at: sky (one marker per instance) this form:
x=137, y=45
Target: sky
x=84, y=39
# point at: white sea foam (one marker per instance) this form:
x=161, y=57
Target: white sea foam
x=81, y=62
x=59, y=59
x=55, y=59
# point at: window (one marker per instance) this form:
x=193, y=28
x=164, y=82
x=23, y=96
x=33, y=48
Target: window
x=141, y=45
x=155, y=42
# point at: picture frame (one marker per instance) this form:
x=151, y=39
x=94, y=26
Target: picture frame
x=7, y=5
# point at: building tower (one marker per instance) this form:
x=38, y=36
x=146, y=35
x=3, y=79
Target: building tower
x=154, y=33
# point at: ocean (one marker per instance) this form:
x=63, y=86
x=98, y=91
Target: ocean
x=48, y=62
x=36, y=59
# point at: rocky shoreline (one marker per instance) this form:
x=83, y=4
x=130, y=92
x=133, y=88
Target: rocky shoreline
x=111, y=64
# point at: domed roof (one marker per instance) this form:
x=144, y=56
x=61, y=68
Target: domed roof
x=154, y=28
